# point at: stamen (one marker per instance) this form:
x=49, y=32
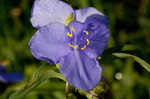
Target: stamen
x=71, y=45
x=69, y=34
x=73, y=29
x=74, y=46
x=83, y=47
x=86, y=32
x=88, y=42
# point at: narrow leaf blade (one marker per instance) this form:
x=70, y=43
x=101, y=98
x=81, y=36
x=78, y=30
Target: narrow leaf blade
x=41, y=75
x=137, y=59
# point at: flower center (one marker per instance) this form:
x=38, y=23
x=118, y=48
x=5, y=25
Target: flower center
x=78, y=41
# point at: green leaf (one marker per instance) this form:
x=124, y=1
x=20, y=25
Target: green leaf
x=41, y=75
x=137, y=59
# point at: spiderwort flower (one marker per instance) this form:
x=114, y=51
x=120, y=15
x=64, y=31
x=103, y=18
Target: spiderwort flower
x=73, y=38
x=9, y=77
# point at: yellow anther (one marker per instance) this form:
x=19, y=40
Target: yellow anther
x=73, y=29
x=71, y=45
x=83, y=47
x=86, y=32
x=69, y=34
x=88, y=42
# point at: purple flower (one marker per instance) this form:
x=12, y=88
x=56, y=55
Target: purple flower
x=9, y=77
x=75, y=45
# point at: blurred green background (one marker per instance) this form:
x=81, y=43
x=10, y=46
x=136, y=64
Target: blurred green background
x=122, y=78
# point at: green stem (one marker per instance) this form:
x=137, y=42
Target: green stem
x=67, y=87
